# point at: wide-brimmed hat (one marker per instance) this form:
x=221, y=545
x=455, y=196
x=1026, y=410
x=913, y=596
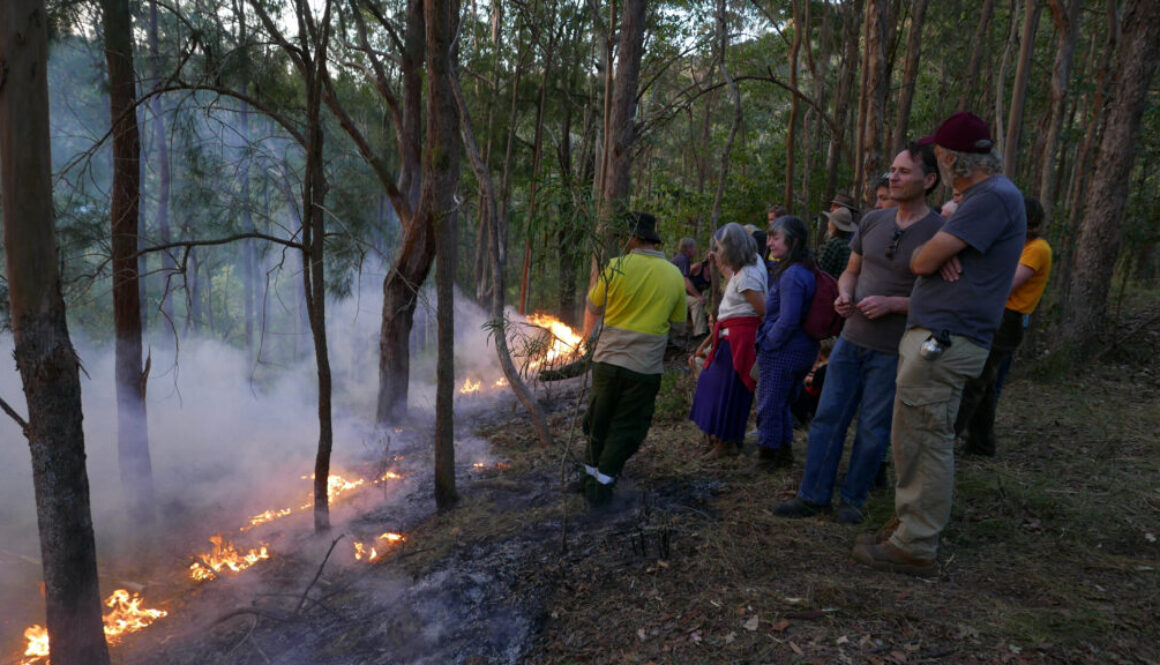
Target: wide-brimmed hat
x=841, y=219
x=846, y=201
x=962, y=132
x=644, y=226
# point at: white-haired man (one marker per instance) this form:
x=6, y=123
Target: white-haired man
x=965, y=274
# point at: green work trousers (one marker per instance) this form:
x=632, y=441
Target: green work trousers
x=619, y=414
x=922, y=437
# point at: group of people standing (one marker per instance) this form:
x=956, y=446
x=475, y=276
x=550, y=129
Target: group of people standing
x=933, y=307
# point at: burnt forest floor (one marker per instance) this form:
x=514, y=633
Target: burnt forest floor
x=1051, y=555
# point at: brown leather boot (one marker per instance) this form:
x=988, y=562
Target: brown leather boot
x=885, y=556
x=878, y=537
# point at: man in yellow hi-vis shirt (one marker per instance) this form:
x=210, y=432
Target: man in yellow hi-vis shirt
x=640, y=295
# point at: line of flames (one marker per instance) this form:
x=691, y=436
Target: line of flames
x=125, y=616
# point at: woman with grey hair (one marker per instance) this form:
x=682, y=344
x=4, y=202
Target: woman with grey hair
x=725, y=388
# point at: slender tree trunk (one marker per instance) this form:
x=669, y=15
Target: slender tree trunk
x=909, y=77
x=851, y=22
x=440, y=182
x=1001, y=79
x=314, y=190
x=1019, y=90
x=981, y=31
x=132, y=429
x=1066, y=19
x=791, y=128
x=735, y=95
x=874, y=92
x=1101, y=232
x=164, y=178
x=48, y=365
x=497, y=252
x=620, y=120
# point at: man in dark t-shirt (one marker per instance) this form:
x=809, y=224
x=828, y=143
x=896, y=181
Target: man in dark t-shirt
x=873, y=295
x=694, y=299
x=965, y=274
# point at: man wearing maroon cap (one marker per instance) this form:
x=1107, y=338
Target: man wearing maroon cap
x=956, y=306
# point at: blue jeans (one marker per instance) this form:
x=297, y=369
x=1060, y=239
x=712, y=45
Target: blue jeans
x=856, y=377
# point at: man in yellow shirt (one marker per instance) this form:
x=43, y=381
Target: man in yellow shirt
x=640, y=295
x=976, y=419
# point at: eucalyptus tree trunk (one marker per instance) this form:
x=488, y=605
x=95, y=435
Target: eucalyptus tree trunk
x=437, y=202
x=44, y=355
x=616, y=178
x=1101, y=232
x=1001, y=79
x=164, y=177
x=1019, y=89
x=735, y=95
x=497, y=254
x=1066, y=17
x=909, y=76
x=979, y=45
x=1096, y=101
x=874, y=89
x=130, y=377
x=794, y=105
x=851, y=21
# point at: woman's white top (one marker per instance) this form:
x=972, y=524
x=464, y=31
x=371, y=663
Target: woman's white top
x=752, y=277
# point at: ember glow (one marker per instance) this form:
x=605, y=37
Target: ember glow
x=125, y=616
x=470, y=386
x=390, y=475
x=370, y=552
x=500, y=383
x=567, y=344
x=225, y=555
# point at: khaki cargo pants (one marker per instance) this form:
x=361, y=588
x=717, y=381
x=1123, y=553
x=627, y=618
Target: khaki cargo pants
x=923, y=436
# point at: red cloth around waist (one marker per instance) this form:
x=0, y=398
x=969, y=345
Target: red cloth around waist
x=742, y=343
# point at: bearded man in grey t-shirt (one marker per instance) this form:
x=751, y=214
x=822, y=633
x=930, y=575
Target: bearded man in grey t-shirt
x=965, y=274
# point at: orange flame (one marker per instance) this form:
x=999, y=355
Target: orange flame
x=125, y=616
x=390, y=475
x=266, y=517
x=336, y=486
x=225, y=555
x=470, y=386
x=501, y=382
x=567, y=344
x=370, y=552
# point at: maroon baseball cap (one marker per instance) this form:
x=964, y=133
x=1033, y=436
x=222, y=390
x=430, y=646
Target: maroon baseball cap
x=962, y=132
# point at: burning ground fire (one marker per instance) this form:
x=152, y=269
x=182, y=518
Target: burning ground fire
x=566, y=346
x=125, y=616
x=370, y=551
x=225, y=555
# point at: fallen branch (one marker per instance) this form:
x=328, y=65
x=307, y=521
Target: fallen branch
x=201, y=562
x=317, y=574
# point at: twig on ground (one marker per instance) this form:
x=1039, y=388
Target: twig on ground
x=317, y=574
x=208, y=568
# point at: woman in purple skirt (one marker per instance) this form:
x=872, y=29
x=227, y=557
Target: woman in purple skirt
x=785, y=353
x=725, y=387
